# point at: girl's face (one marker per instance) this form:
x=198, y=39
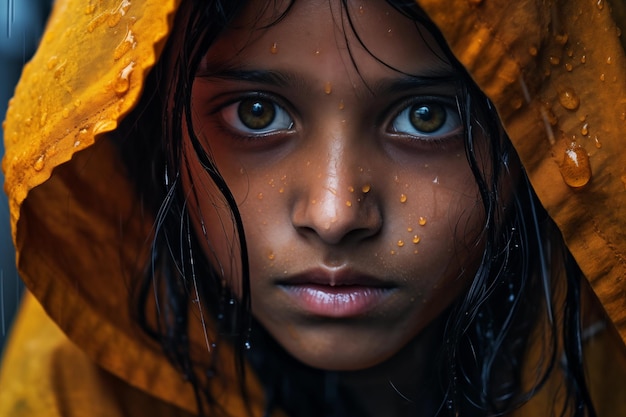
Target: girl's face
x=361, y=214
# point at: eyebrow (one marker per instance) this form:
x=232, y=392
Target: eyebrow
x=286, y=79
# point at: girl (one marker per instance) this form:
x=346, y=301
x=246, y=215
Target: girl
x=328, y=220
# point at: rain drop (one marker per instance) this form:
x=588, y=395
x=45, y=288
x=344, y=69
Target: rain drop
x=609, y=60
x=576, y=169
x=39, y=163
x=584, y=130
x=569, y=99
x=555, y=60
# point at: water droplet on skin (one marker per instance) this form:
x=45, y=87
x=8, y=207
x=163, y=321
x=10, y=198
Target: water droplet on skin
x=40, y=163
x=569, y=67
x=415, y=252
x=533, y=51
x=569, y=99
x=576, y=169
x=555, y=60
x=274, y=48
x=570, y=53
x=409, y=229
x=584, y=130
x=416, y=239
x=341, y=105
x=602, y=76
x=259, y=196
x=392, y=252
x=400, y=243
x=351, y=189
x=600, y=4
x=561, y=39
x=349, y=203
x=361, y=9
x=328, y=87
x=366, y=188
x=422, y=221
x=597, y=142
x=609, y=60
x=389, y=32
x=271, y=256
x=583, y=59
x=403, y=198
x=316, y=52
x=281, y=190
x=517, y=103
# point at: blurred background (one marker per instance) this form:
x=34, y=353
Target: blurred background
x=21, y=25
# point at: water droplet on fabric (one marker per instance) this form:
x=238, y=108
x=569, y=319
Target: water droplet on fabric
x=40, y=163
x=274, y=48
x=576, y=169
x=569, y=99
x=122, y=84
x=328, y=87
x=403, y=198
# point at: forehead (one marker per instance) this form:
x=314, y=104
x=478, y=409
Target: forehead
x=361, y=37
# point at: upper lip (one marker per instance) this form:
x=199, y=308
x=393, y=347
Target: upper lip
x=334, y=278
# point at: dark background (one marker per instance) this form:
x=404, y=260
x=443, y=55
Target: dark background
x=21, y=25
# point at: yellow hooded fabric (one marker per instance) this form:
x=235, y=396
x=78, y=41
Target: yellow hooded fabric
x=556, y=71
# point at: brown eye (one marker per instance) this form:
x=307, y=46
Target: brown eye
x=427, y=118
x=256, y=113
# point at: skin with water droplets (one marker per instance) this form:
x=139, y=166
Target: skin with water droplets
x=576, y=168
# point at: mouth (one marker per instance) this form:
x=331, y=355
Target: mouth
x=336, y=294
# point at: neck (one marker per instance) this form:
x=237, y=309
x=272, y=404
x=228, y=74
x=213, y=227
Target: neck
x=407, y=384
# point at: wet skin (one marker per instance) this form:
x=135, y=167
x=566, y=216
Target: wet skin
x=361, y=214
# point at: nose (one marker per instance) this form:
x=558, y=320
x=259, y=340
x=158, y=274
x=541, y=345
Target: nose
x=336, y=203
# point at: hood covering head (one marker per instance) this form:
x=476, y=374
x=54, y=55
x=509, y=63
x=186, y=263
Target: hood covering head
x=79, y=228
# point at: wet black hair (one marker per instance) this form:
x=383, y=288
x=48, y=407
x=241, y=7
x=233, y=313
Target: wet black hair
x=527, y=283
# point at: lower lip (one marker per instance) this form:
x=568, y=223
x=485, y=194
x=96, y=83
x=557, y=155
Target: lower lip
x=336, y=302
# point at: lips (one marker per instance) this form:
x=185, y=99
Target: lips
x=335, y=293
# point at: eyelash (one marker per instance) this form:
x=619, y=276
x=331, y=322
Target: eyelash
x=230, y=118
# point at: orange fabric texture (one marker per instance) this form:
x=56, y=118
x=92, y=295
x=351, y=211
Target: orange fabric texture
x=554, y=69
